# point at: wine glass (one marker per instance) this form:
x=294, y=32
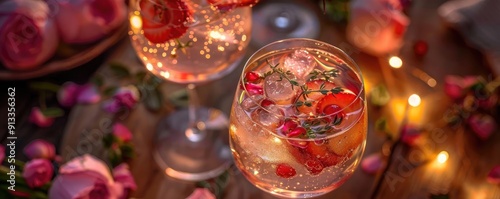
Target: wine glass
x=298, y=122
x=191, y=42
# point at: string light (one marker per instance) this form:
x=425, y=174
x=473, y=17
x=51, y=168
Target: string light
x=414, y=100
x=395, y=62
x=442, y=157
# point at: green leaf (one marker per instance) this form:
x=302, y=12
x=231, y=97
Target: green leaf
x=97, y=80
x=127, y=151
x=380, y=96
x=108, y=140
x=179, y=98
x=381, y=124
x=44, y=86
x=53, y=112
x=153, y=98
x=139, y=76
x=119, y=70
x=109, y=91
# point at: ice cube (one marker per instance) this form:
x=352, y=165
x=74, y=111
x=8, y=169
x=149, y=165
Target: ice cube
x=251, y=102
x=279, y=89
x=271, y=117
x=300, y=63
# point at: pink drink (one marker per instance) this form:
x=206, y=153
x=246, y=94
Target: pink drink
x=303, y=140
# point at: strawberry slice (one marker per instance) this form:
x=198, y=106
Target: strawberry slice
x=343, y=145
x=323, y=154
x=312, y=164
x=313, y=97
x=163, y=20
x=342, y=100
x=285, y=170
x=226, y=5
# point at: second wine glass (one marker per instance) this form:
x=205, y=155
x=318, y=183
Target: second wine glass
x=190, y=42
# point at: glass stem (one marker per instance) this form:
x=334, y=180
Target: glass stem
x=193, y=131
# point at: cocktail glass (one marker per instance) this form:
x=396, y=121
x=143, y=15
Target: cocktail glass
x=298, y=122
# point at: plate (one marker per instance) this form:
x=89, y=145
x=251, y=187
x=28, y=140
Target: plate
x=83, y=56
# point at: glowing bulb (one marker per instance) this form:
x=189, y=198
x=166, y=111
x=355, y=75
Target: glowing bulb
x=395, y=62
x=442, y=157
x=136, y=22
x=414, y=100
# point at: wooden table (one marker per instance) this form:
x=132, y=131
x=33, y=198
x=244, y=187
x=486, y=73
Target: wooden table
x=463, y=177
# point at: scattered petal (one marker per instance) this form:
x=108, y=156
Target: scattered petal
x=494, y=175
x=371, y=164
x=410, y=134
x=122, y=132
x=482, y=125
x=122, y=175
x=127, y=96
x=40, y=149
x=453, y=86
x=38, y=118
x=88, y=94
x=111, y=106
x=201, y=193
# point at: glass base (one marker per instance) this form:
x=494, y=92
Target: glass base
x=193, y=154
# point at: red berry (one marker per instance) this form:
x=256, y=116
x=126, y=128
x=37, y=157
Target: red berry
x=314, y=166
x=251, y=77
x=333, y=111
x=285, y=170
x=266, y=102
x=288, y=125
x=420, y=48
x=296, y=132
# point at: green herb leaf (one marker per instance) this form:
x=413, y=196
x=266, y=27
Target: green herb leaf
x=119, y=70
x=53, y=112
x=44, y=86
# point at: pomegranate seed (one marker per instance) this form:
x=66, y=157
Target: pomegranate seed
x=266, y=102
x=285, y=170
x=253, y=89
x=314, y=166
x=252, y=77
x=288, y=125
x=296, y=132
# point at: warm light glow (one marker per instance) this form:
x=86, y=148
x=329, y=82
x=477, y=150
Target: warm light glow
x=217, y=35
x=277, y=140
x=149, y=66
x=395, y=62
x=414, y=100
x=431, y=82
x=136, y=22
x=442, y=157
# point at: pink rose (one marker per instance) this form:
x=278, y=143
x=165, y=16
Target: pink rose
x=27, y=33
x=372, y=164
x=40, y=149
x=454, y=86
x=377, y=26
x=124, y=178
x=84, y=21
x=38, y=118
x=122, y=132
x=84, y=177
x=201, y=193
x=38, y=172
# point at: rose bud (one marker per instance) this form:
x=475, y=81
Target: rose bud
x=372, y=164
x=377, y=26
x=482, y=125
x=127, y=96
x=68, y=93
x=27, y=33
x=494, y=175
x=38, y=118
x=88, y=94
x=201, y=193
x=122, y=132
x=123, y=177
x=82, y=21
x=40, y=149
x=38, y=172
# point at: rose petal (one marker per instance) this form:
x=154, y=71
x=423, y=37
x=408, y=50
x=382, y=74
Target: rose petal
x=68, y=93
x=201, y=193
x=482, y=125
x=372, y=164
x=87, y=163
x=40, y=149
x=410, y=134
x=122, y=175
x=36, y=117
x=122, y=132
x=88, y=94
x=453, y=86
x=127, y=96
x=38, y=172
x=2, y=153
x=494, y=175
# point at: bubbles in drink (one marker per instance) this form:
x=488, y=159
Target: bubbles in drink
x=278, y=89
x=300, y=63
